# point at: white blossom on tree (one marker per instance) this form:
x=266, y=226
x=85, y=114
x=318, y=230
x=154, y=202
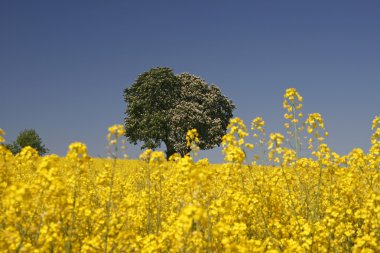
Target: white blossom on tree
x=162, y=107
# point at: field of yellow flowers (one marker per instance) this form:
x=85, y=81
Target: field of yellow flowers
x=296, y=195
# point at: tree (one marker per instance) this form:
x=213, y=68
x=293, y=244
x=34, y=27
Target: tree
x=162, y=107
x=28, y=137
x=13, y=147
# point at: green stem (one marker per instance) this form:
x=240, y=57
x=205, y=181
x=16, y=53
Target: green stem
x=295, y=133
x=75, y=190
x=109, y=202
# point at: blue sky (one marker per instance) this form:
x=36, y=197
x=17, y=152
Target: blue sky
x=64, y=64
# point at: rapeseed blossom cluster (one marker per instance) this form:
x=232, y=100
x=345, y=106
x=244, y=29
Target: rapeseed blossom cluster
x=323, y=202
x=192, y=141
x=233, y=141
x=260, y=137
x=2, y=133
x=315, y=127
x=293, y=105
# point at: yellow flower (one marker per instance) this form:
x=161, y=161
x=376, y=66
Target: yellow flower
x=376, y=122
x=145, y=156
x=115, y=131
x=2, y=133
x=157, y=157
x=77, y=150
x=257, y=124
x=314, y=203
x=249, y=145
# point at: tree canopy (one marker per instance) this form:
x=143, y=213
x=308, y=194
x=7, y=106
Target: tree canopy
x=28, y=137
x=162, y=107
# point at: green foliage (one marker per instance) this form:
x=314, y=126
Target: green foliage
x=27, y=137
x=163, y=106
x=13, y=147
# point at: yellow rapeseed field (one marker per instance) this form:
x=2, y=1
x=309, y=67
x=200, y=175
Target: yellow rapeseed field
x=284, y=200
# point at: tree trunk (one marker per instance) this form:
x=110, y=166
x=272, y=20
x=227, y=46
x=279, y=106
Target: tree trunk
x=169, y=149
x=184, y=152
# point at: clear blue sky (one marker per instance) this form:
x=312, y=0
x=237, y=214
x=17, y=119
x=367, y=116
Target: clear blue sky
x=64, y=64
